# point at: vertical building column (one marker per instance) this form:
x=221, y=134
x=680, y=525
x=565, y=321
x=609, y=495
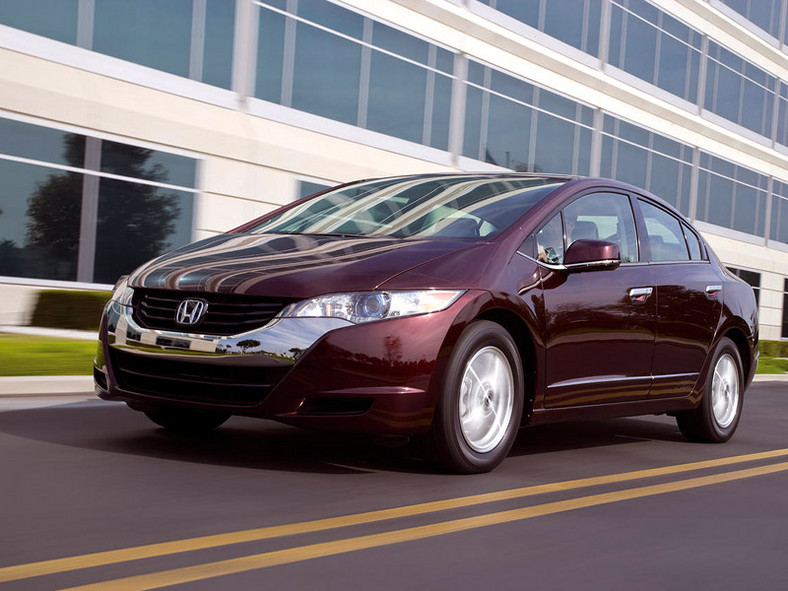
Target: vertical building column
x=604, y=33
x=85, y=11
x=767, y=218
x=457, y=115
x=596, y=144
x=199, y=11
x=429, y=98
x=702, y=73
x=89, y=211
x=288, y=65
x=694, y=178
x=364, y=75
x=247, y=18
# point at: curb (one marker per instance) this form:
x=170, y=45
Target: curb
x=46, y=385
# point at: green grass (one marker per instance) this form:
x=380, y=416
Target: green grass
x=23, y=355
x=772, y=365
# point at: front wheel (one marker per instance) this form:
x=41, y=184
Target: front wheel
x=186, y=420
x=717, y=416
x=481, y=401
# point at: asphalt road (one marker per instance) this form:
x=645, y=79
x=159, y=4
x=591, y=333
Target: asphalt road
x=91, y=493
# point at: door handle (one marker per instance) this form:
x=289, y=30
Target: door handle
x=713, y=290
x=639, y=295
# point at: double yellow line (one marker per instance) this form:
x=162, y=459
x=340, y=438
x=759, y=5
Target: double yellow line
x=306, y=552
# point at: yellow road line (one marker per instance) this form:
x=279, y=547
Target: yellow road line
x=47, y=567
x=257, y=561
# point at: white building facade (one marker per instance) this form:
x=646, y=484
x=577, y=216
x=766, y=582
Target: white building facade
x=130, y=127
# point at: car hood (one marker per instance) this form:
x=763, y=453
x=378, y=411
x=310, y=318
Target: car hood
x=293, y=266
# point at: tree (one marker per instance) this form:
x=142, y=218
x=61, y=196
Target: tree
x=134, y=220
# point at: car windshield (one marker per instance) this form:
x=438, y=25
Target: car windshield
x=469, y=207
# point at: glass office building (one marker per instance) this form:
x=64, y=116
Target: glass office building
x=128, y=127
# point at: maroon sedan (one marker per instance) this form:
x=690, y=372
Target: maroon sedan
x=456, y=307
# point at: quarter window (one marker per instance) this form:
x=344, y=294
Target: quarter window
x=550, y=242
x=665, y=235
x=603, y=216
x=692, y=243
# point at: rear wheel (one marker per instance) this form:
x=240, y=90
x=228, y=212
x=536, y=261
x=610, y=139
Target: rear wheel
x=717, y=416
x=186, y=420
x=481, y=401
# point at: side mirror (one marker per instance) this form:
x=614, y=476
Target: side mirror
x=592, y=255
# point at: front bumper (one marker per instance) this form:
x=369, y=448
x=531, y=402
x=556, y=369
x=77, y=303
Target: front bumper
x=377, y=377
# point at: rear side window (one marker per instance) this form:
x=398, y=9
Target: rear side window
x=665, y=235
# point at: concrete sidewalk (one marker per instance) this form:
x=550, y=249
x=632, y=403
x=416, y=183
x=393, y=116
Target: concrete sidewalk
x=65, y=333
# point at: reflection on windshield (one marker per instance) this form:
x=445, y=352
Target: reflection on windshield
x=470, y=207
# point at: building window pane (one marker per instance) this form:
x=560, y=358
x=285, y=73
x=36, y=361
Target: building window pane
x=474, y=99
x=441, y=112
x=784, y=333
x=397, y=91
x=526, y=129
x=136, y=223
x=270, y=56
x=752, y=279
x=306, y=188
x=332, y=17
x=508, y=134
x=646, y=159
x=41, y=143
x=762, y=13
x=148, y=32
x=219, y=35
x=575, y=22
x=554, y=137
x=39, y=221
x=56, y=19
x=326, y=75
x=144, y=163
x=738, y=90
x=779, y=214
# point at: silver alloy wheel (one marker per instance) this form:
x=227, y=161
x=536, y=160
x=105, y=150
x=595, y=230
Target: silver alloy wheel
x=486, y=399
x=725, y=391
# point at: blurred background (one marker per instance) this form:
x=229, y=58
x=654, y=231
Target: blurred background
x=128, y=127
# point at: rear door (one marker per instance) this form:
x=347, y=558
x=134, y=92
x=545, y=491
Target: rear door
x=688, y=299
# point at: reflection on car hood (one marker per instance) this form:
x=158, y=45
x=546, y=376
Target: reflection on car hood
x=297, y=266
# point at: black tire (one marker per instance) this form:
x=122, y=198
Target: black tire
x=705, y=424
x=186, y=420
x=452, y=442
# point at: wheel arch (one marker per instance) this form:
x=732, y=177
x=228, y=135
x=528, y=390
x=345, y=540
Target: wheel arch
x=519, y=331
x=739, y=339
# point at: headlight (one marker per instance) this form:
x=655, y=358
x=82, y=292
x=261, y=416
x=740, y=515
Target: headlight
x=373, y=305
x=122, y=293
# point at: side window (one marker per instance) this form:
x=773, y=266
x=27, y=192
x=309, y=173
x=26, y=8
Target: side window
x=664, y=234
x=693, y=243
x=603, y=216
x=550, y=242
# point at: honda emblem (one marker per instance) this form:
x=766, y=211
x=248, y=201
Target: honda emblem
x=191, y=311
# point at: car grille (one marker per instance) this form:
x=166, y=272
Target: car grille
x=225, y=314
x=196, y=382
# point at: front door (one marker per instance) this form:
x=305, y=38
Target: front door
x=599, y=325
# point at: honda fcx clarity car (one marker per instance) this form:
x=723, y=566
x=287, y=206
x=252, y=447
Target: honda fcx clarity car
x=456, y=307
